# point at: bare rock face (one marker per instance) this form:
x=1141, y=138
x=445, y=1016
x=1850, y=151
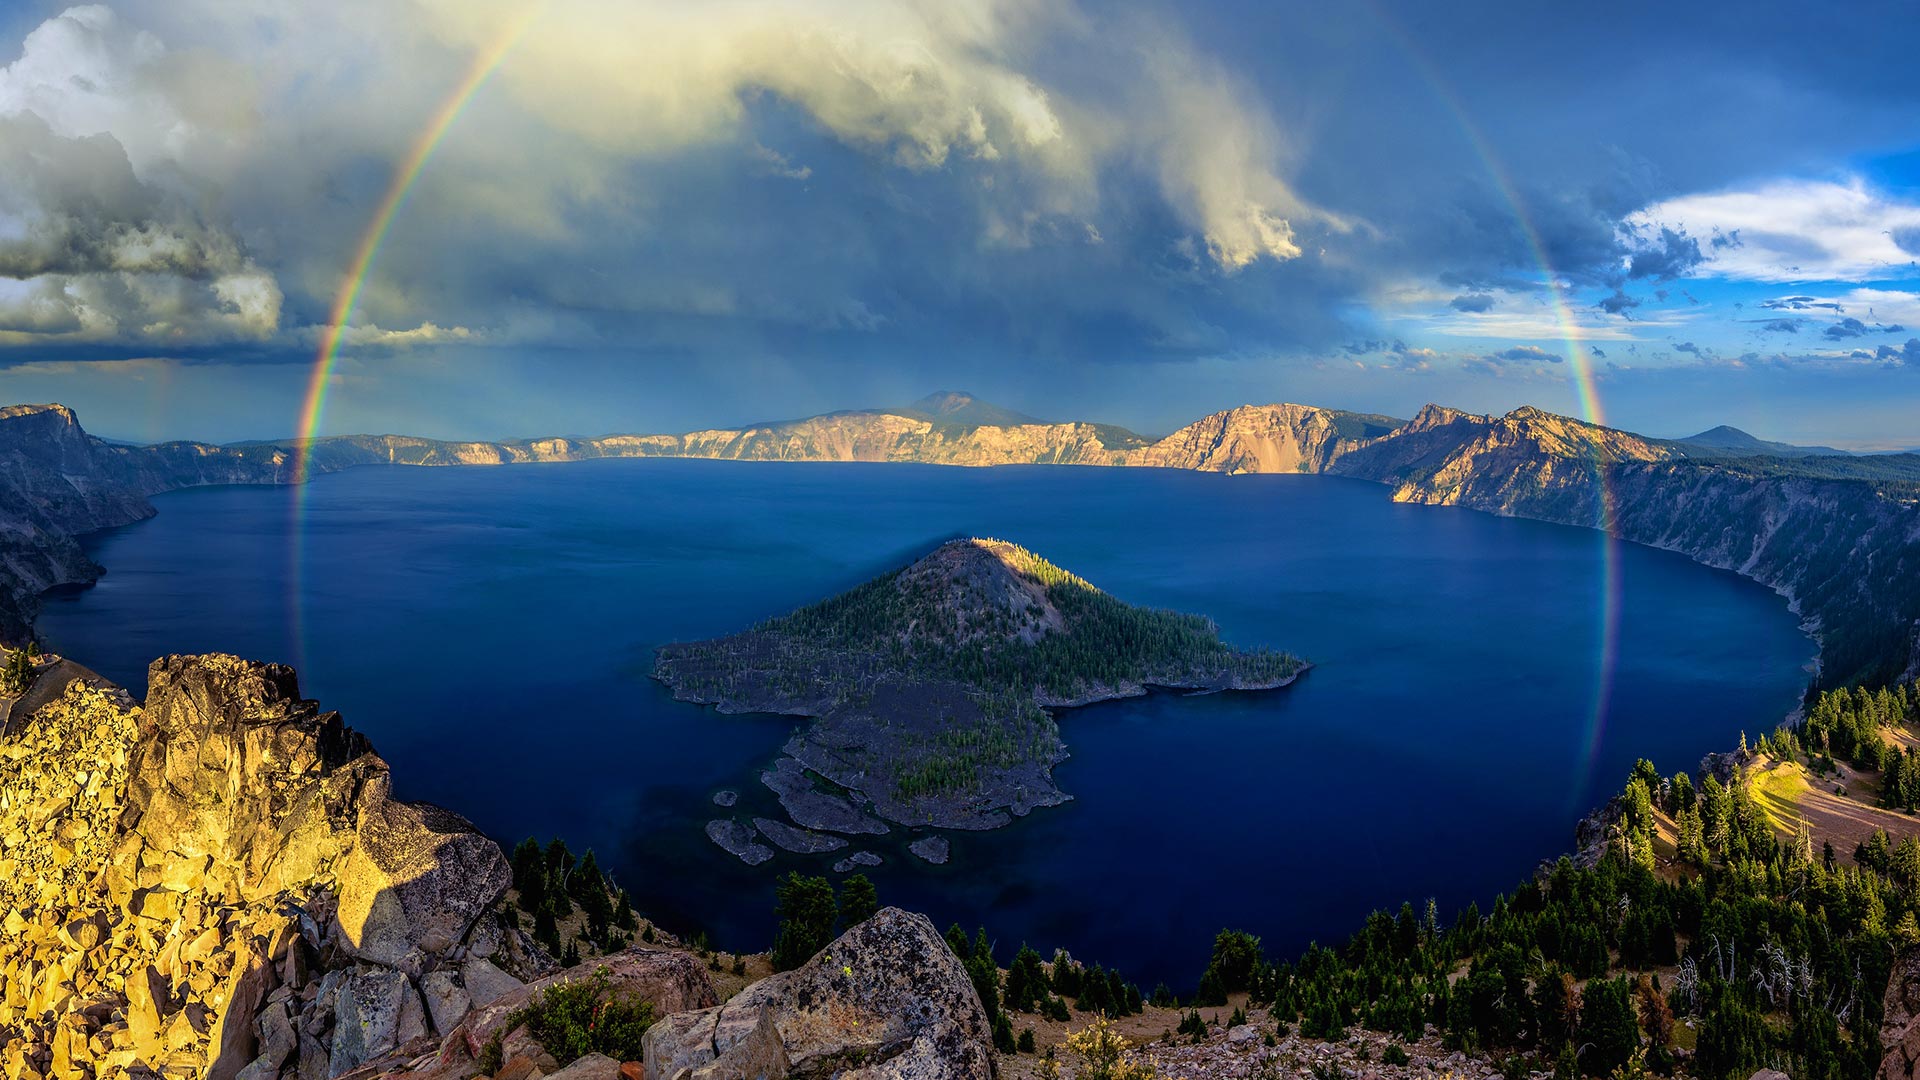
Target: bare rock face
x=886, y=1001
x=218, y=885
x=1900, y=1026
x=415, y=881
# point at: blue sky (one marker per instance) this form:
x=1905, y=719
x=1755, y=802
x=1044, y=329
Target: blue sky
x=661, y=216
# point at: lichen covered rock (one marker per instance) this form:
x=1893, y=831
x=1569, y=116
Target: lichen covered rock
x=887, y=1000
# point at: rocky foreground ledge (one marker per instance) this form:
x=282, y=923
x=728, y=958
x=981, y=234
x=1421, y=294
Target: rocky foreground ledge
x=218, y=884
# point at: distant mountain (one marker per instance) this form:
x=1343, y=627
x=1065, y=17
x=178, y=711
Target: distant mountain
x=953, y=408
x=1839, y=534
x=1734, y=442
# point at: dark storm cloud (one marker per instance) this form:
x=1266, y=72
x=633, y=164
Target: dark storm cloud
x=1782, y=326
x=1472, y=302
x=1672, y=254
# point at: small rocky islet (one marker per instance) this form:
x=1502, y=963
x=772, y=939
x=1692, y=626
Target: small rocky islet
x=931, y=690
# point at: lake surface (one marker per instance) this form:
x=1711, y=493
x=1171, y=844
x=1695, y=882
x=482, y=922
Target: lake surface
x=491, y=630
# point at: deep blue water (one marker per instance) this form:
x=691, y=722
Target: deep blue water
x=491, y=630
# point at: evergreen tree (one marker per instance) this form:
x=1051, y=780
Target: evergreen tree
x=1235, y=952
x=859, y=900
x=559, y=868
x=1609, y=1026
x=805, y=909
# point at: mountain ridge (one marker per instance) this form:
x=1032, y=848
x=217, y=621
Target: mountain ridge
x=1839, y=536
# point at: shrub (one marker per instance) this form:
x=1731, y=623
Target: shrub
x=583, y=1016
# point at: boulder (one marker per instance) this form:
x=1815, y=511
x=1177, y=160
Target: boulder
x=591, y=1067
x=485, y=983
x=416, y=879
x=717, y=1044
x=888, y=993
x=447, y=1000
x=377, y=1011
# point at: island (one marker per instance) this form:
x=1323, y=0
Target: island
x=931, y=689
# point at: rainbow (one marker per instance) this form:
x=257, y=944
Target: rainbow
x=1580, y=363
x=1576, y=353
x=483, y=65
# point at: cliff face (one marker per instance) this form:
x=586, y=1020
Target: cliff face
x=218, y=884
x=1834, y=533
x=1264, y=439
x=1845, y=549
x=52, y=488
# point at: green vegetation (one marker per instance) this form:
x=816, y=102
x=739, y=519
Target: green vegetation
x=1783, y=961
x=859, y=901
x=549, y=882
x=807, y=911
x=578, y=1017
x=914, y=627
x=17, y=676
x=1013, y=731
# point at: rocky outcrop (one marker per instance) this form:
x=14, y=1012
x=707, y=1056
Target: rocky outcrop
x=886, y=1001
x=1900, y=1023
x=1265, y=439
x=218, y=884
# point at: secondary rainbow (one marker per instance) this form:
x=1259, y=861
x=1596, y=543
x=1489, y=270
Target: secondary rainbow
x=1580, y=364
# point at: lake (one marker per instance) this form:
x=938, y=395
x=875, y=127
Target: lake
x=491, y=630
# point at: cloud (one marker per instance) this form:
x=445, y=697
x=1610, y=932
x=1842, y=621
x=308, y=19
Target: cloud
x=1619, y=303
x=1781, y=326
x=1795, y=230
x=1801, y=303
x=1523, y=354
x=925, y=85
x=104, y=254
x=1473, y=302
x=1907, y=355
x=1671, y=255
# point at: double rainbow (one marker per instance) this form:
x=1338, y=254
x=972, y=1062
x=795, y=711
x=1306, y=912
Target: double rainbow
x=1576, y=352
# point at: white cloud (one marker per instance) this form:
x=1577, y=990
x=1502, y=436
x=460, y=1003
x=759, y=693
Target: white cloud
x=929, y=85
x=1796, y=230
x=94, y=251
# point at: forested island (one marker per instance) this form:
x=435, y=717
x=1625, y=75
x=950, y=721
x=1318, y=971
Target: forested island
x=930, y=686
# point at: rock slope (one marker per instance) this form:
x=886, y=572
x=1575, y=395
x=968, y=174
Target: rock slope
x=218, y=884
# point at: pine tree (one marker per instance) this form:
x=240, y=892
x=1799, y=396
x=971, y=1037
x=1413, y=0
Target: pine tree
x=1609, y=1026
x=859, y=900
x=805, y=909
